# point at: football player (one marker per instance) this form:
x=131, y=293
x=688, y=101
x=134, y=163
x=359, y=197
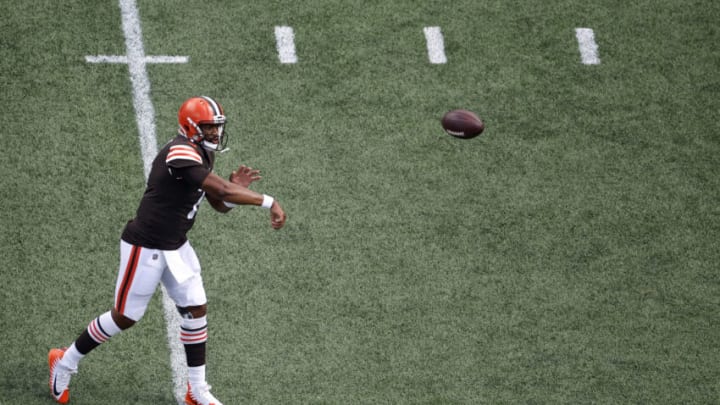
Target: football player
x=154, y=247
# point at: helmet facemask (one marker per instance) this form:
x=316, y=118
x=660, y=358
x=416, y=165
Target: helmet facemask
x=204, y=138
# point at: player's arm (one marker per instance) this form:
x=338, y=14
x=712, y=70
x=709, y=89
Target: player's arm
x=217, y=204
x=243, y=176
x=220, y=191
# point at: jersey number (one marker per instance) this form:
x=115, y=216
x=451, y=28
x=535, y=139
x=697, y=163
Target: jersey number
x=195, y=207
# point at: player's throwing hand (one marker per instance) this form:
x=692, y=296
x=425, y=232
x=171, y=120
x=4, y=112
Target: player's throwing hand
x=244, y=175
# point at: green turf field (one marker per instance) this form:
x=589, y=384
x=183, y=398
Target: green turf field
x=569, y=255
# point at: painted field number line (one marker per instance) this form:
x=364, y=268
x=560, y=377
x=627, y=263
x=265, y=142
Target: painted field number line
x=588, y=46
x=435, y=45
x=285, y=39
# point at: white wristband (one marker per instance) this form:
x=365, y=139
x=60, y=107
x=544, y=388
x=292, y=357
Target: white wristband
x=229, y=204
x=267, y=201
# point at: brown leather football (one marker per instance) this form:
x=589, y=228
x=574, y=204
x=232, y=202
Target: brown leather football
x=463, y=124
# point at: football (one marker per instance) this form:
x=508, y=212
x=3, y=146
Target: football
x=463, y=124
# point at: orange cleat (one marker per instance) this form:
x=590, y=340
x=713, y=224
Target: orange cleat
x=59, y=377
x=200, y=396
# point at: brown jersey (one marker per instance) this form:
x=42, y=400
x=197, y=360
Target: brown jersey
x=172, y=197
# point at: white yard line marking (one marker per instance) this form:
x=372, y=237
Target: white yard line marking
x=435, y=45
x=587, y=45
x=285, y=40
x=145, y=118
x=124, y=59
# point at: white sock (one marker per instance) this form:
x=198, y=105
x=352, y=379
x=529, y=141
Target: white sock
x=103, y=328
x=196, y=376
x=71, y=358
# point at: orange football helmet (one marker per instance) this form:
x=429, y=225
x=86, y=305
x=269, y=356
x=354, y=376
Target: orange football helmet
x=197, y=111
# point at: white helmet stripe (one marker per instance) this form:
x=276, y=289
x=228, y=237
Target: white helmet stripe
x=214, y=105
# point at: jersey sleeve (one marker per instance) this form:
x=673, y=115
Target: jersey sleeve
x=186, y=164
x=180, y=156
x=193, y=175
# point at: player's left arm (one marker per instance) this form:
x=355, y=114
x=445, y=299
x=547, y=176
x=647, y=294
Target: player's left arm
x=232, y=194
x=217, y=204
x=243, y=176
